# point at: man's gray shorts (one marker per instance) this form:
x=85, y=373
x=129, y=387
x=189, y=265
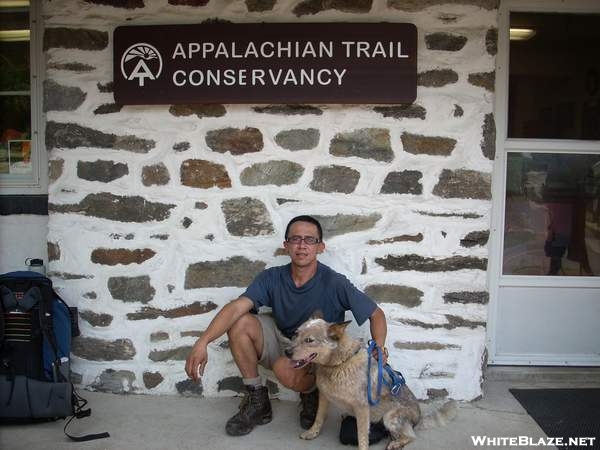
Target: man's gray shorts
x=274, y=342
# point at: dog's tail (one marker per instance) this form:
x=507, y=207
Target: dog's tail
x=440, y=417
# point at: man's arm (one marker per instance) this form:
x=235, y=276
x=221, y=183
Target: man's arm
x=221, y=323
x=378, y=326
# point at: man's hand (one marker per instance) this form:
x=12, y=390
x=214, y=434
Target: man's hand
x=384, y=354
x=196, y=361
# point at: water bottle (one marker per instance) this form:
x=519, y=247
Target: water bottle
x=36, y=265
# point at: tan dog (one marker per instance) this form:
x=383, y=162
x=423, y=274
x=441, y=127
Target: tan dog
x=341, y=372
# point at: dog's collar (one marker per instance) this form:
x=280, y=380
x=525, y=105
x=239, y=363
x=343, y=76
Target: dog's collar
x=358, y=349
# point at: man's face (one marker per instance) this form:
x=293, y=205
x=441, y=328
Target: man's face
x=303, y=254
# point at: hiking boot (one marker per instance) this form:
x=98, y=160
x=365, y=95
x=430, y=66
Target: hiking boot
x=255, y=409
x=308, y=403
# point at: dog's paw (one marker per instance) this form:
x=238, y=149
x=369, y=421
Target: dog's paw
x=309, y=434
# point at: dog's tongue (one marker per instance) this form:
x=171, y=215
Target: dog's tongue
x=300, y=363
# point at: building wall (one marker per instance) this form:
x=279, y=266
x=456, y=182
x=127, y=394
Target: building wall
x=159, y=215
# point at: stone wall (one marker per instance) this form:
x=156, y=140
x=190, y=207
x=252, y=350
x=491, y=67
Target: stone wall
x=159, y=215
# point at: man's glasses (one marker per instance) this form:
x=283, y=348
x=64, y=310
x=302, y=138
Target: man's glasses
x=308, y=240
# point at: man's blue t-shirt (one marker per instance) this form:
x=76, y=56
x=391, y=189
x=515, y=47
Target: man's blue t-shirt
x=328, y=292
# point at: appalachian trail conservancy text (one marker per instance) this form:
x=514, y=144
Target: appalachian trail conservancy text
x=284, y=51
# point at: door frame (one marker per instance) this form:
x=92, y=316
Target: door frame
x=495, y=278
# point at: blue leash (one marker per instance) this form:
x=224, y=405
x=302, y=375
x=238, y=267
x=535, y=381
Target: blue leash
x=397, y=380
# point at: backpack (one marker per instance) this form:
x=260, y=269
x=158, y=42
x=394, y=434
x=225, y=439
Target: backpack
x=36, y=327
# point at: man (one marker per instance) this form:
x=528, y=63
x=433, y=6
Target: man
x=294, y=292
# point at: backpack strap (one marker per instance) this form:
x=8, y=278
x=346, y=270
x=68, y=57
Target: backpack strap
x=78, y=404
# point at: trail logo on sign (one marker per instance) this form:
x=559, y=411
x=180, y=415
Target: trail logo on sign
x=141, y=61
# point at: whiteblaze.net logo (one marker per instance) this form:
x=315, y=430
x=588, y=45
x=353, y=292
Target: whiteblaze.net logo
x=141, y=61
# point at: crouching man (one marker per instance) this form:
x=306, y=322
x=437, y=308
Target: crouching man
x=293, y=292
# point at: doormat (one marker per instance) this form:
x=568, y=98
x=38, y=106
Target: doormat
x=566, y=413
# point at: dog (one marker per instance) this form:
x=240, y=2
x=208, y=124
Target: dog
x=341, y=375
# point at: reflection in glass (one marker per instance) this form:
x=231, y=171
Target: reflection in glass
x=552, y=214
x=554, y=79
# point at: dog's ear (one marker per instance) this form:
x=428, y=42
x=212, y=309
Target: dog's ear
x=336, y=330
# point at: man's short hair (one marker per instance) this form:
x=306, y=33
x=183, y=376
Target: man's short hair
x=308, y=219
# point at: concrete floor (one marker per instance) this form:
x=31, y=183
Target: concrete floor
x=170, y=422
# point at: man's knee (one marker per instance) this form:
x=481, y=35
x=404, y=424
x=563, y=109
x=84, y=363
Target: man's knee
x=294, y=379
x=247, y=325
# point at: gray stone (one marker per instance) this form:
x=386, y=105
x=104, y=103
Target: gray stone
x=452, y=322
x=401, y=295
x=235, y=140
x=412, y=111
x=488, y=143
x=103, y=171
x=334, y=179
x=405, y=182
x=115, y=207
x=277, y=173
x=53, y=251
x=475, y=238
x=91, y=295
x=115, y=381
x=420, y=5
x=464, y=216
x=201, y=111
x=189, y=2
x=69, y=276
x=491, y=41
x=131, y=289
x=108, y=108
x=95, y=319
x=186, y=222
x=152, y=379
x=434, y=394
x=114, y=256
x=289, y=110
x=247, y=216
x=235, y=271
x=159, y=336
x=106, y=87
x=298, y=139
x=467, y=297
x=346, y=223
x=204, y=174
x=234, y=384
x=369, y=143
x=62, y=98
x=425, y=346
x=189, y=388
x=181, y=146
x=485, y=80
x=458, y=111
x=281, y=201
x=425, y=264
x=310, y=7
x=77, y=38
x=73, y=67
x=70, y=135
x=94, y=349
x=260, y=5
x=55, y=169
x=427, y=145
x=192, y=333
x=193, y=309
x=463, y=183
x=200, y=205
x=172, y=354
x=402, y=238
x=445, y=41
x=437, y=78
x=155, y=175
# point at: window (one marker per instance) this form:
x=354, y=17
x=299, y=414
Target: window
x=21, y=158
x=552, y=190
